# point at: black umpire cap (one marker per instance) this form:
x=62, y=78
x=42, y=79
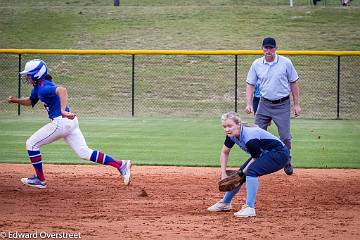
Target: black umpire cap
x=269, y=42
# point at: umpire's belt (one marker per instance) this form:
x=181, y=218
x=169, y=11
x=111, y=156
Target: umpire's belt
x=276, y=101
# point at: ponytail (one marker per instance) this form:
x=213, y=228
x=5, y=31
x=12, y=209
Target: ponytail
x=48, y=77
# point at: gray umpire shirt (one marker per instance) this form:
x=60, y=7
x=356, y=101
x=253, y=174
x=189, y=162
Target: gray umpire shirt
x=275, y=77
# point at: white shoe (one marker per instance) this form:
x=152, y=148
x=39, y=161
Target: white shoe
x=125, y=171
x=33, y=182
x=220, y=206
x=245, y=212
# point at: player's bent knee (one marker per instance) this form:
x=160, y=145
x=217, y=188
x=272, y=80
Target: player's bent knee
x=84, y=152
x=31, y=146
x=252, y=173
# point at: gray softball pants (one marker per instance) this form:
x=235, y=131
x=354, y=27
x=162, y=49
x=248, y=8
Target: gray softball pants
x=279, y=113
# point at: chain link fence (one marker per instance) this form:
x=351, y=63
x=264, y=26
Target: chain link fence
x=162, y=85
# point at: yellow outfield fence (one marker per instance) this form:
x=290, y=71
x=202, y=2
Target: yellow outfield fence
x=183, y=83
x=174, y=52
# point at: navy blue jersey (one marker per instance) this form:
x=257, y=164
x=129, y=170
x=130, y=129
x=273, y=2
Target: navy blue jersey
x=45, y=91
x=254, y=140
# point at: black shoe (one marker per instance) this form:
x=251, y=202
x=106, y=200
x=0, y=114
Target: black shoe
x=288, y=169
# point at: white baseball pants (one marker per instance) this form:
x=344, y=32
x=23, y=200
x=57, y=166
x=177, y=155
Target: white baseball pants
x=61, y=128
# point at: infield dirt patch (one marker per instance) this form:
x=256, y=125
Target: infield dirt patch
x=171, y=203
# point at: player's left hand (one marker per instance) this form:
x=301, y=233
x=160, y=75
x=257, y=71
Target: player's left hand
x=68, y=115
x=234, y=179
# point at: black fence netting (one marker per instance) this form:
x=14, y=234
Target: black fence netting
x=180, y=85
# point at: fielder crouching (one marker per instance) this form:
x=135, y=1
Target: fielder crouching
x=268, y=155
x=64, y=124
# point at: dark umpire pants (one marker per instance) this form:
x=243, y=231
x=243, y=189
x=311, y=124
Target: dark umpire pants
x=279, y=113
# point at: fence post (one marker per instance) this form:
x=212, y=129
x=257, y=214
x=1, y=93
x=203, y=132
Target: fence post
x=236, y=81
x=133, y=86
x=19, y=83
x=338, y=89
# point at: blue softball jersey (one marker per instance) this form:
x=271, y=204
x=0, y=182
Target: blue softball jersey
x=45, y=91
x=254, y=141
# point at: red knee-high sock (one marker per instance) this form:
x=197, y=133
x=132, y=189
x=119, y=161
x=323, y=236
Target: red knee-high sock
x=36, y=160
x=105, y=159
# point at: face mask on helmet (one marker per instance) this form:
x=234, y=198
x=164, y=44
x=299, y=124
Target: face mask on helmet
x=36, y=68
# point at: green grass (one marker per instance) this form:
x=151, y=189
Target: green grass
x=183, y=141
x=191, y=24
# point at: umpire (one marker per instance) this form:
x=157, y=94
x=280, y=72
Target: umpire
x=277, y=77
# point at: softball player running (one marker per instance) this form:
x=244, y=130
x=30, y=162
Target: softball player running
x=64, y=124
x=268, y=155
